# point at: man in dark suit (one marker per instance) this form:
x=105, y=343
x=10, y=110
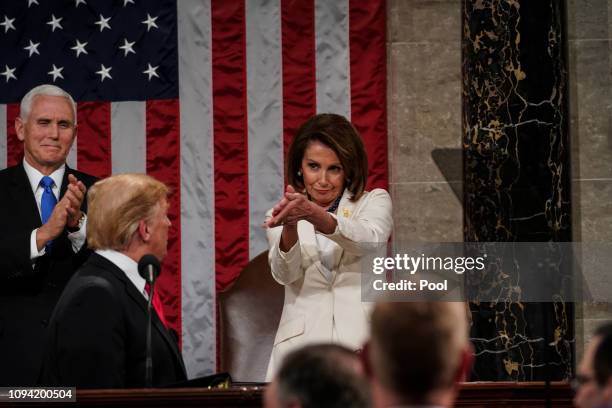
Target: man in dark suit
x=97, y=332
x=42, y=219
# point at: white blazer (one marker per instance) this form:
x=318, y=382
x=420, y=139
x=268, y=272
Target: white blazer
x=314, y=299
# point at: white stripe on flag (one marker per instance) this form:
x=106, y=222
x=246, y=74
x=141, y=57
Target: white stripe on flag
x=128, y=137
x=197, y=187
x=265, y=118
x=332, y=56
x=3, y=136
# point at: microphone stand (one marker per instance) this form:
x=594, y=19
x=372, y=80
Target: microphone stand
x=149, y=357
x=148, y=269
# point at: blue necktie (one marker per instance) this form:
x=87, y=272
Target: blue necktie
x=47, y=203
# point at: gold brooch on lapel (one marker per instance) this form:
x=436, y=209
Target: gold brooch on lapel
x=345, y=212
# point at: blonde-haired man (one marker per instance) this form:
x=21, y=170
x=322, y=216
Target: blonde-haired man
x=97, y=332
x=417, y=353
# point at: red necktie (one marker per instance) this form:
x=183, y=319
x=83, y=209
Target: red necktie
x=157, y=305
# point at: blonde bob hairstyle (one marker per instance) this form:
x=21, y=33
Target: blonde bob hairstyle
x=117, y=204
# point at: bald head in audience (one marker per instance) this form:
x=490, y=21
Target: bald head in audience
x=417, y=353
x=319, y=376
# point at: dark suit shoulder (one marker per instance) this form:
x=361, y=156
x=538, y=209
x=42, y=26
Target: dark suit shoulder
x=87, y=179
x=89, y=286
x=87, y=281
x=98, y=270
x=91, y=289
x=10, y=173
x=9, y=170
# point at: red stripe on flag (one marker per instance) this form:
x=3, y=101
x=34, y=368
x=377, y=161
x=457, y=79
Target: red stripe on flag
x=163, y=163
x=14, y=148
x=94, y=138
x=230, y=140
x=368, y=84
x=299, y=69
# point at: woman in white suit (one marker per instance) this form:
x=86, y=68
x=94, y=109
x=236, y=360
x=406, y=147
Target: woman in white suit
x=318, y=233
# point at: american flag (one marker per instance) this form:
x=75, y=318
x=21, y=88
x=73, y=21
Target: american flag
x=204, y=95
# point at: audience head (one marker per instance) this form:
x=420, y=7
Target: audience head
x=322, y=136
x=128, y=213
x=319, y=376
x=594, y=372
x=418, y=352
x=47, y=127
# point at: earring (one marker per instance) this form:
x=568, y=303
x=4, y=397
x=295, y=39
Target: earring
x=299, y=173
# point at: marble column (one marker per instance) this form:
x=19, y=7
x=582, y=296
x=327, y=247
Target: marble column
x=516, y=179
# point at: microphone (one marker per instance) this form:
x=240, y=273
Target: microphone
x=148, y=268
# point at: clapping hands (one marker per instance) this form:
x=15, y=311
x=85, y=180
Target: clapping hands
x=66, y=212
x=292, y=208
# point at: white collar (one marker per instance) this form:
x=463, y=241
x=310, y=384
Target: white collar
x=34, y=176
x=127, y=265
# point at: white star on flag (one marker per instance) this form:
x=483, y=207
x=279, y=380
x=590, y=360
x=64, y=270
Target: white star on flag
x=8, y=24
x=55, y=23
x=32, y=48
x=150, y=22
x=8, y=73
x=30, y=2
x=79, y=48
x=79, y=2
x=151, y=71
x=103, y=22
x=126, y=2
x=104, y=72
x=127, y=47
x=56, y=72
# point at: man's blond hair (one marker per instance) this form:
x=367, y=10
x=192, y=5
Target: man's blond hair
x=117, y=204
x=417, y=347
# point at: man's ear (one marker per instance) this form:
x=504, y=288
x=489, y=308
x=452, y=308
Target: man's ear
x=607, y=393
x=19, y=128
x=465, y=364
x=364, y=356
x=293, y=403
x=143, y=231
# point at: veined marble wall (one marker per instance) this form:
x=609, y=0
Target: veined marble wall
x=424, y=96
x=516, y=179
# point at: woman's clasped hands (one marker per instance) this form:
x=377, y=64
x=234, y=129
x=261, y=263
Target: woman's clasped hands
x=292, y=208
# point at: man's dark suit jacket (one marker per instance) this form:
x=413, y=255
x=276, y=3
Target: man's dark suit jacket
x=28, y=294
x=96, y=336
